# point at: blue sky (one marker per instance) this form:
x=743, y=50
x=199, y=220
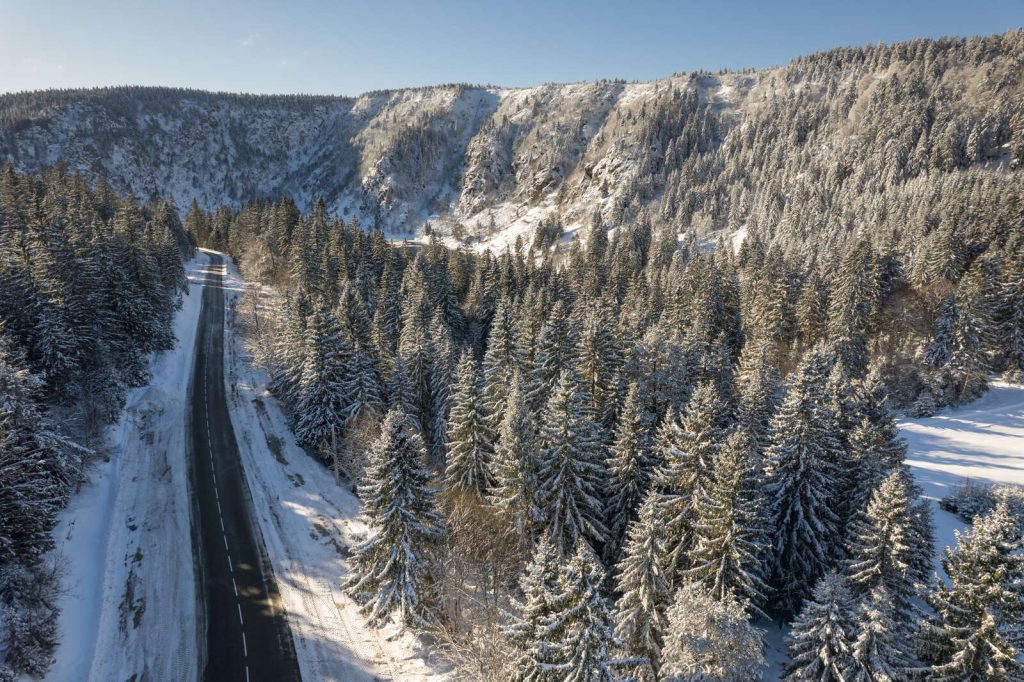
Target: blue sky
x=349, y=47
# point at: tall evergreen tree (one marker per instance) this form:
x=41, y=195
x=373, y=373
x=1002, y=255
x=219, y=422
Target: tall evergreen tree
x=395, y=571
x=571, y=468
x=515, y=492
x=731, y=542
x=802, y=470
x=643, y=586
x=631, y=466
x=471, y=442
x=821, y=641
x=689, y=448
x=982, y=607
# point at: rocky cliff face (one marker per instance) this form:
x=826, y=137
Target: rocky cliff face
x=690, y=150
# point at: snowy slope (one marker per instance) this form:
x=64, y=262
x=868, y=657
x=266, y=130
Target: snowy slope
x=478, y=156
x=128, y=607
x=308, y=524
x=983, y=441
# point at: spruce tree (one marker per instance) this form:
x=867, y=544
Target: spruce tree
x=631, y=465
x=529, y=629
x=980, y=611
x=580, y=624
x=689, y=448
x=882, y=546
x=881, y=651
x=321, y=399
x=802, y=470
x=710, y=639
x=395, y=570
x=645, y=597
x=823, y=634
x=731, y=542
x=501, y=361
x=470, y=440
x=515, y=492
x=571, y=468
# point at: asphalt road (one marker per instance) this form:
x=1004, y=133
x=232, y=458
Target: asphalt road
x=247, y=635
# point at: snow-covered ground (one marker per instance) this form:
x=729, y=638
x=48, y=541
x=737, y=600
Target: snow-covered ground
x=128, y=609
x=983, y=441
x=308, y=524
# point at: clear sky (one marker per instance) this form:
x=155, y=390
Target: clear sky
x=348, y=46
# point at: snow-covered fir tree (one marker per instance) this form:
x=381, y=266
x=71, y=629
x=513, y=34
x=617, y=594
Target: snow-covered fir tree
x=470, y=440
x=529, y=623
x=823, y=634
x=642, y=607
x=395, y=569
x=688, y=447
x=883, y=549
x=631, y=466
x=881, y=652
x=731, y=542
x=803, y=475
x=710, y=639
x=979, y=612
x=321, y=399
x=571, y=471
x=580, y=625
x=515, y=466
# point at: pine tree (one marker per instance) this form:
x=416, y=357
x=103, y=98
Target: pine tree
x=940, y=350
x=760, y=391
x=515, y=492
x=981, y=609
x=37, y=467
x=631, y=467
x=882, y=546
x=802, y=483
x=395, y=570
x=501, y=361
x=710, y=639
x=821, y=641
x=598, y=361
x=571, y=468
x=645, y=597
x=1012, y=341
x=731, y=542
x=471, y=442
x=553, y=356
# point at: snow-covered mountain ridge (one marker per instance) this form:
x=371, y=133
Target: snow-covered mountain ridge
x=684, y=150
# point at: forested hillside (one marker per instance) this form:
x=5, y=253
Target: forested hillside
x=88, y=287
x=554, y=448
x=886, y=141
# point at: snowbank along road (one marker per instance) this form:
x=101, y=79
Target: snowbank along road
x=247, y=634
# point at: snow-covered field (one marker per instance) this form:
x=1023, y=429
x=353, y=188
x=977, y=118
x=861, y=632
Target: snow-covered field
x=128, y=609
x=983, y=441
x=308, y=524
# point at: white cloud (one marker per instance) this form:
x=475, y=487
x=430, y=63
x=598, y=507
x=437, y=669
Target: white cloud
x=250, y=40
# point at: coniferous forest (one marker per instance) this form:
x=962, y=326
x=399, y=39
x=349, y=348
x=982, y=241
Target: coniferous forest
x=608, y=461
x=89, y=283
x=617, y=453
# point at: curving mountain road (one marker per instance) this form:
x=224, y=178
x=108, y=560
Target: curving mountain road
x=247, y=634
